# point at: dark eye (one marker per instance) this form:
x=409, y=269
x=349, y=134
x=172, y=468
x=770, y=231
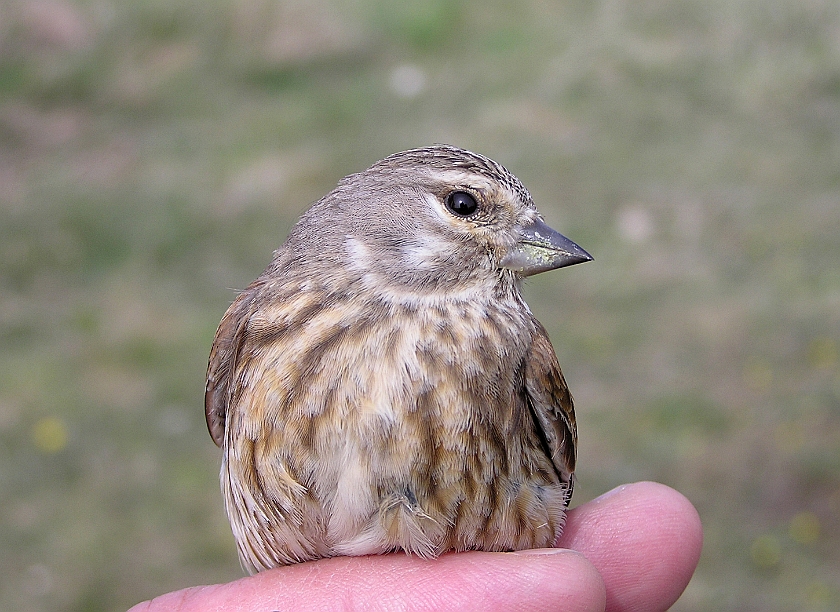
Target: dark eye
x=461, y=203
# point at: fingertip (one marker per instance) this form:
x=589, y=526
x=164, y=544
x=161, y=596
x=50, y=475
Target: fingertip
x=644, y=538
x=676, y=517
x=192, y=598
x=539, y=580
x=567, y=579
x=680, y=534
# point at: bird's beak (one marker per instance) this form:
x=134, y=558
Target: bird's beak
x=540, y=248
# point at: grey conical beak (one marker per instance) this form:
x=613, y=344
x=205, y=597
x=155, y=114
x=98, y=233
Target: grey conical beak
x=540, y=248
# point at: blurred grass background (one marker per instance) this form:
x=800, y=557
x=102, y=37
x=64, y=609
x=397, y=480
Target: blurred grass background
x=153, y=154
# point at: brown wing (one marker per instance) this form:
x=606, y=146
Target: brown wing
x=223, y=358
x=551, y=404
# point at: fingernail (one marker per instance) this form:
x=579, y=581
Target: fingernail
x=610, y=493
x=539, y=552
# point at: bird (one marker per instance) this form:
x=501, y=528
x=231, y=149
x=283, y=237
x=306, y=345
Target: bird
x=383, y=385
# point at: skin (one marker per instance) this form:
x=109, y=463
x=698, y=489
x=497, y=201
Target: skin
x=633, y=549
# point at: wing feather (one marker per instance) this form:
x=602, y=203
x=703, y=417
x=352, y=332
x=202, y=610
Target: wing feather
x=222, y=364
x=551, y=404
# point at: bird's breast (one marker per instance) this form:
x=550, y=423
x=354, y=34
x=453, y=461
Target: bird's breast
x=390, y=380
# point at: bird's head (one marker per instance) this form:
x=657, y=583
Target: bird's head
x=436, y=218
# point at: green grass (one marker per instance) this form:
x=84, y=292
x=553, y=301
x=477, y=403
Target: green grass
x=153, y=154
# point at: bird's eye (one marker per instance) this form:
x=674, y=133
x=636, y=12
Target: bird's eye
x=461, y=203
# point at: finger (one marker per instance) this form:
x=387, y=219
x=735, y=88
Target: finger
x=540, y=580
x=644, y=539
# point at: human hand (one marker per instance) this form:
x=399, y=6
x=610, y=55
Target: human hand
x=633, y=548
